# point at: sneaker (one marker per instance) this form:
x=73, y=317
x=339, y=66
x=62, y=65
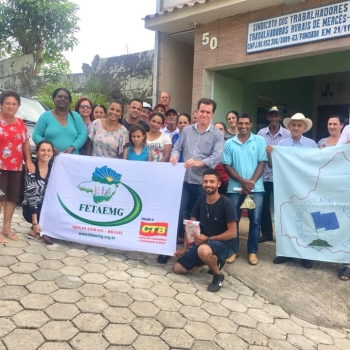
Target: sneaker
x=216, y=284
x=163, y=259
x=221, y=264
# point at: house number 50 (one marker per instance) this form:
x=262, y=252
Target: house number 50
x=213, y=41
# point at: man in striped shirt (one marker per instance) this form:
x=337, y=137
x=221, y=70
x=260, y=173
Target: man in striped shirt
x=201, y=146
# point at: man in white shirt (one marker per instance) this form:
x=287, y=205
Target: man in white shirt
x=170, y=128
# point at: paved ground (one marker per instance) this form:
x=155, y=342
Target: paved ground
x=315, y=295
x=70, y=296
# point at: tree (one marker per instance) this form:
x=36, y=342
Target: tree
x=43, y=28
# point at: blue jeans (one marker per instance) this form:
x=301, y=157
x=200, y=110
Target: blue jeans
x=254, y=216
x=266, y=221
x=190, y=194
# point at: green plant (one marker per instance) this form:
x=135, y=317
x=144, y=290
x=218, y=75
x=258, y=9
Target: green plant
x=44, y=94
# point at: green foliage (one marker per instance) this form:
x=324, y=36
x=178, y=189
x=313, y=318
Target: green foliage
x=43, y=28
x=95, y=85
x=54, y=69
x=44, y=95
x=95, y=98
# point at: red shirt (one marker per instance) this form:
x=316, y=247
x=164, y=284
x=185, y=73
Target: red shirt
x=12, y=139
x=221, y=170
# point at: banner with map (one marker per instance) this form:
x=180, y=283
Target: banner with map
x=312, y=202
x=113, y=203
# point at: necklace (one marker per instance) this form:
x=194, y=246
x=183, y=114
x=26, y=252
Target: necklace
x=113, y=128
x=209, y=210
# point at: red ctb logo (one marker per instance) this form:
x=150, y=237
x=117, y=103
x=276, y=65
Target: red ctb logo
x=154, y=229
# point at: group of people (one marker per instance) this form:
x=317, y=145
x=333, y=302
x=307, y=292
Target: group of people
x=223, y=165
x=87, y=130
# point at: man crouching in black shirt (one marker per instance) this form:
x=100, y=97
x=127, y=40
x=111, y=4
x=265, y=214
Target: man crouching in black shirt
x=218, y=223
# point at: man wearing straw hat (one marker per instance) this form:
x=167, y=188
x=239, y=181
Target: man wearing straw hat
x=297, y=125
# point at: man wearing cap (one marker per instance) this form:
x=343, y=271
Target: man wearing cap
x=159, y=108
x=171, y=120
x=272, y=134
x=164, y=99
x=297, y=125
x=146, y=111
x=134, y=114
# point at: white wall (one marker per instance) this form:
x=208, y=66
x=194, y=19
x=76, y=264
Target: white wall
x=175, y=72
x=16, y=73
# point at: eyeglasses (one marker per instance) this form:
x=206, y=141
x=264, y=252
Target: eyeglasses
x=84, y=107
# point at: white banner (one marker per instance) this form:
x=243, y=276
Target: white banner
x=114, y=203
x=312, y=202
x=321, y=23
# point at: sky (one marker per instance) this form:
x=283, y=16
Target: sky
x=110, y=28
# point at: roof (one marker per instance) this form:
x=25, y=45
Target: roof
x=194, y=14
x=176, y=8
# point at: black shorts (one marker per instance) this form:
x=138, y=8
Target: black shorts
x=10, y=185
x=222, y=249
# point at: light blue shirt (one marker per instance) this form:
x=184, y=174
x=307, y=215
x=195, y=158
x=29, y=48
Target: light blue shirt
x=244, y=158
x=272, y=140
x=206, y=146
x=302, y=142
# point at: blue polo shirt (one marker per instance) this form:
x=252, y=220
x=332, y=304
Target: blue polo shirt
x=244, y=159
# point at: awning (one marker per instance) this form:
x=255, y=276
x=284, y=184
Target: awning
x=191, y=15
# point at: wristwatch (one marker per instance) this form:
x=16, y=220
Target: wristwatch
x=208, y=240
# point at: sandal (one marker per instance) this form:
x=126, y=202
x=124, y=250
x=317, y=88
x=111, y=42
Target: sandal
x=11, y=235
x=33, y=235
x=47, y=239
x=344, y=274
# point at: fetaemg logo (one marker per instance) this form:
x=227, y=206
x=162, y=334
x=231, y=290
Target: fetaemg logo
x=102, y=187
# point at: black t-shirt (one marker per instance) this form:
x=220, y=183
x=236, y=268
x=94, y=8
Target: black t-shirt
x=220, y=213
x=128, y=125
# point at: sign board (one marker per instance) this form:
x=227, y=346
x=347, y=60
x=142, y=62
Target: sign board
x=321, y=23
x=114, y=203
x=312, y=202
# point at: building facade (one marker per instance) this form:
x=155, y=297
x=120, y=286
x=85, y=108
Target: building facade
x=251, y=54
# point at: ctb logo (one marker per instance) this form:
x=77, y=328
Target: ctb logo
x=154, y=229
